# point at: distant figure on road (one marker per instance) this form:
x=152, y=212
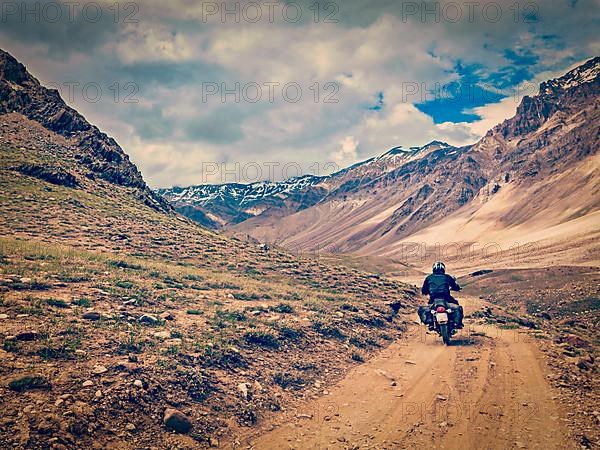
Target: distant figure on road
x=438, y=285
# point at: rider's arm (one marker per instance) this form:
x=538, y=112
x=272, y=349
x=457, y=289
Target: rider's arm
x=453, y=284
x=425, y=288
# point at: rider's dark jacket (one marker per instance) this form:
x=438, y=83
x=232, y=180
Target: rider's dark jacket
x=439, y=285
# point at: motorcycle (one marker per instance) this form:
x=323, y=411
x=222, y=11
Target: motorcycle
x=443, y=319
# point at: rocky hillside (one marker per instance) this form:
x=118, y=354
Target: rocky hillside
x=536, y=171
x=223, y=205
x=21, y=93
x=125, y=325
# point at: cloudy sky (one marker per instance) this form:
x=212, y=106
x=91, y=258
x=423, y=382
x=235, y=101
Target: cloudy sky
x=201, y=92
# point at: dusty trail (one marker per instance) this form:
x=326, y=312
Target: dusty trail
x=487, y=391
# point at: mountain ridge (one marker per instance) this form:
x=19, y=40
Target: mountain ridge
x=220, y=205
x=520, y=166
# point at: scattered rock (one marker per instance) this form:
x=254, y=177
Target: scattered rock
x=148, y=319
x=87, y=383
x=3, y=316
x=27, y=336
x=138, y=383
x=130, y=427
x=99, y=370
x=162, y=335
x=177, y=421
x=244, y=390
x=98, y=394
x=92, y=315
x=167, y=316
x=410, y=362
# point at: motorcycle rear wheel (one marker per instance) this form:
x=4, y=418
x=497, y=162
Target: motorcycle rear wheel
x=445, y=333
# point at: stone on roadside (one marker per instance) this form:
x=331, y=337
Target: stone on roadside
x=177, y=421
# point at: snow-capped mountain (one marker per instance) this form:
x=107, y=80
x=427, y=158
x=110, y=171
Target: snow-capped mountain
x=582, y=74
x=534, y=172
x=219, y=205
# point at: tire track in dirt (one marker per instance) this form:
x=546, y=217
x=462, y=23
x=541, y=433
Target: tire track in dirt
x=486, y=391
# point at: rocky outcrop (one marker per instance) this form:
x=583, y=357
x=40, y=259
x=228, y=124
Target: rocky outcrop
x=21, y=93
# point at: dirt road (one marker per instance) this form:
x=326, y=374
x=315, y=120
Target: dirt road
x=487, y=391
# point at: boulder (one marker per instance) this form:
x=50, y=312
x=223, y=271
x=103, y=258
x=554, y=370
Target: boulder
x=177, y=421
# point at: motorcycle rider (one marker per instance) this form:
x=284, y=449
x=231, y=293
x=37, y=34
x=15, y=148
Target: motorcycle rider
x=438, y=285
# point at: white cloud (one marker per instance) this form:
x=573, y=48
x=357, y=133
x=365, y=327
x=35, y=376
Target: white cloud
x=347, y=153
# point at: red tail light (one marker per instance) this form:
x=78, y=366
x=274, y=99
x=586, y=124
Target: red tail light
x=441, y=309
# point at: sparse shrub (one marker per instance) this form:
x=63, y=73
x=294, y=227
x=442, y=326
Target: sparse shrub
x=283, y=308
x=194, y=312
x=247, y=415
x=262, y=338
x=357, y=342
x=83, y=301
x=124, y=265
x=61, y=352
x=58, y=303
x=348, y=307
x=68, y=278
x=222, y=357
x=304, y=366
x=374, y=322
x=372, y=342
x=29, y=382
x=193, y=277
x=328, y=330
x=287, y=380
x=124, y=284
x=291, y=334
x=10, y=346
x=197, y=385
x=246, y=296
x=357, y=357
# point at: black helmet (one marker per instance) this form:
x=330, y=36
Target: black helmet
x=439, y=267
